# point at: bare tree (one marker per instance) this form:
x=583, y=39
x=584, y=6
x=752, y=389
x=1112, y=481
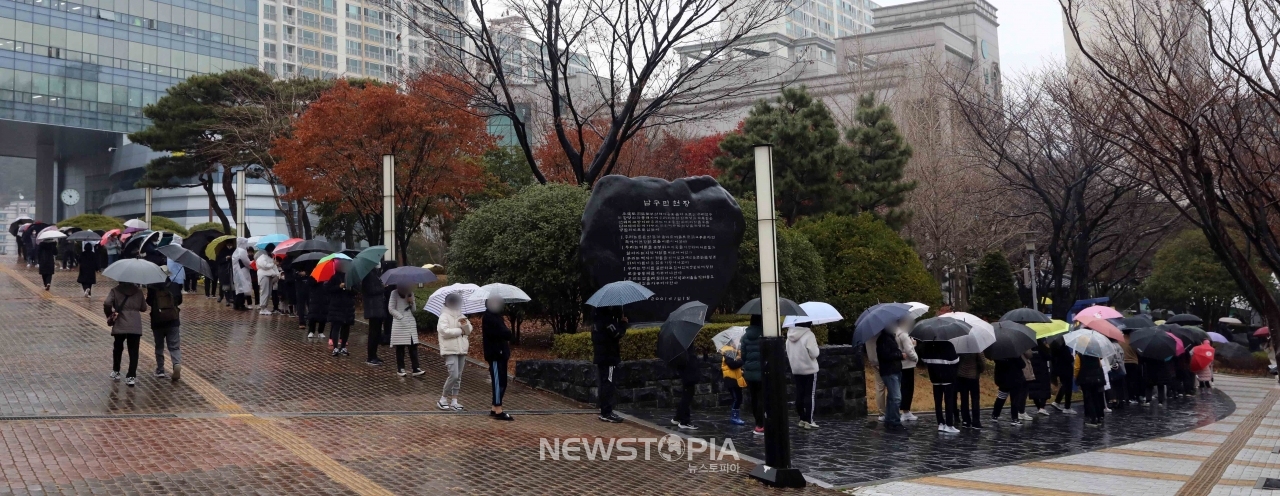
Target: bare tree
x=608, y=68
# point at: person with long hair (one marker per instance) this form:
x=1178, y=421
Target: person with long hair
x=123, y=308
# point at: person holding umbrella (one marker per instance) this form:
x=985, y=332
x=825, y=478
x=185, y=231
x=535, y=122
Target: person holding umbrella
x=497, y=350
x=675, y=348
x=341, y=312
x=317, y=308
x=241, y=274
x=113, y=247
x=802, y=354
x=1202, y=364
x=1091, y=375
x=88, y=269
x=404, y=329
x=268, y=274
x=123, y=308
x=46, y=257
x=452, y=330
x=1041, y=388
x=375, y=312
x=731, y=369
x=607, y=330
x=1062, y=362
x=165, y=298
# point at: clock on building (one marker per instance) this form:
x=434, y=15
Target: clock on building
x=70, y=196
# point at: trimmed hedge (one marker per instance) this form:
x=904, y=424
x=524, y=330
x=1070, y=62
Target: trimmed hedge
x=216, y=226
x=159, y=223
x=92, y=222
x=642, y=343
x=801, y=274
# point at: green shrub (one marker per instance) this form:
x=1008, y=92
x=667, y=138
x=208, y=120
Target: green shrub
x=800, y=270
x=529, y=240
x=216, y=226
x=994, y=292
x=729, y=318
x=92, y=222
x=642, y=343
x=426, y=320
x=159, y=223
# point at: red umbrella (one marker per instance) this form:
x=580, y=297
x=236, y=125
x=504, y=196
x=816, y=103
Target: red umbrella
x=1201, y=357
x=1262, y=332
x=108, y=235
x=328, y=266
x=283, y=246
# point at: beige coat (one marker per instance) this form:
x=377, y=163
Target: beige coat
x=452, y=335
x=404, y=327
x=130, y=302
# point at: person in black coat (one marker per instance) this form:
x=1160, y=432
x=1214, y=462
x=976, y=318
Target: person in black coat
x=1062, y=363
x=317, y=309
x=46, y=257
x=341, y=313
x=375, y=311
x=753, y=370
x=1012, y=385
x=1092, y=378
x=1158, y=375
x=687, y=365
x=944, y=366
x=890, y=357
x=1041, y=388
x=302, y=284
x=497, y=351
x=88, y=269
x=606, y=337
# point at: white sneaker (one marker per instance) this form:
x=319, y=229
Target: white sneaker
x=1023, y=416
x=456, y=407
x=813, y=425
x=908, y=416
x=1106, y=409
x=880, y=418
x=953, y=430
x=1042, y=412
x=115, y=376
x=942, y=428
x=1068, y=411
x=265, y=312
x=311, y=335
x=1057, y=406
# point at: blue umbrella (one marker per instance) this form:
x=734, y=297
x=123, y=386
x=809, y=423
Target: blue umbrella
x=876, y=319
x=616, y=294
x=270, y=239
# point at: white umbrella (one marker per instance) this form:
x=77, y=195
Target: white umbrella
x=816, y=313
x=507, y=292
x=917, y=309
x=1090, y=342
x=51, y=235
x=981, y=333
x=138, y=223
x=732, y=334
x=1229, y=320
x=435, y=304
x=135, y=270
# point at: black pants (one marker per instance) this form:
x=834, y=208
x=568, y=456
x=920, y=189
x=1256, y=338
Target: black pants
x=340, y=333
x=301, y=308
x=757, y=401
x=1133, y=381
x=189, y=284
x=1158, y=392
x=1094, y=402
x=970, y=401
x=806, y=387
x=498, y=374
x=211, y=286
x=735, y=392
x=47, y=278
x=239, y=301
x=386, y=332
x=86, y=287
x=132, y=340
x=1017, y=398
x=315, y=326
x=1040, y=403
x=605, y=388
x=908, y=389
x=945, y=393
x=1066, y=384
x=275, y=300
x=413, y=356
x=684, y=411
x=375, y=337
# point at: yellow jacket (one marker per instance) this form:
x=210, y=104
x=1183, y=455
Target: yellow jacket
x=731, y=364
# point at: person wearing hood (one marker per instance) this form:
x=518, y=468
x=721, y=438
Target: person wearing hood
x=375, y=312
x=731, y=369
x=46, y=255
x=404, y=330
x=268, y=274
x=607, y=330
x=123, y=308
x=452, y=330
x=240, y=274
x=165, y=299
x=802, y=354
x=753, y=369
x=944, y=364
x=88, y=269
x=496, y=335
x=341, y=312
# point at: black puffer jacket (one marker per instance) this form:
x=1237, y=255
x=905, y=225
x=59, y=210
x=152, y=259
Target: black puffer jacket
x=371, y=292
x=318, y=301
x=1091, y=373
x=342, y=301
x=752, y=358
x=606, y=340
x=1041, y=388
x=941, y=359
x=497, y=335
x=1009, y=373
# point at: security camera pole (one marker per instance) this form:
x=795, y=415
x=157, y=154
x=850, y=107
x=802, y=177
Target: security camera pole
x=776, y=470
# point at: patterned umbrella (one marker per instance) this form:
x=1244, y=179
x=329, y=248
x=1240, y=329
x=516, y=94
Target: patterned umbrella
x=328, y=266
x=435, y=303
x=1201, y=357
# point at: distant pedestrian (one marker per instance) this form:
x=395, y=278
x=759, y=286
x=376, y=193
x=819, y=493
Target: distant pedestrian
x=689, y=368
x=608, y=328
x=944, y=364
x=285, y=286
x=1062, y=362
x=165, y=298
x=268, y=274
x=1091, y=375
x=341, y=312
x=890, y=357
x=909, y=362
x=1041, y=388
x=731, y=369
x=404, y=330
x=802, y=355
x=66, y=254
x=317, y=309
x=88, y=269
x=497, y=351
x=302, y=283
x=241, y=273
x=452, y=330
x=123, y=307
x=1012, y=384
x=113, y=247
x=46, y=253
x=969, y=388
x=375, y=312
x=753, y=370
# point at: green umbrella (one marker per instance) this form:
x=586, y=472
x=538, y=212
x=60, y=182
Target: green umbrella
x=363, y=263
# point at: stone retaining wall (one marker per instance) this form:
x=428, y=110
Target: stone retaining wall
x=651, y=384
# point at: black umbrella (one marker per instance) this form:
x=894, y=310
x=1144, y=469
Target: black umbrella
x=411, y=276
x=310, y=257
x=200, y=240
x=1189, y=335
x=137, y=243
x=1153, y=342
x=1025, y=316
x=85, y=236
x=310, y=245
x=186, y=258
x=875, y=319
x=939, y=329
x=1137, y=322
x=1184, y=318
x=13, y=226
x=678, y=331
x=1012, y=340
x=785, y=307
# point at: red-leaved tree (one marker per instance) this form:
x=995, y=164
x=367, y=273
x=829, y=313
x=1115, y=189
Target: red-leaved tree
x=659, y=154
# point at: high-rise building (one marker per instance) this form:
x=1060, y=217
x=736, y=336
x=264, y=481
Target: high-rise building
x=827, y=19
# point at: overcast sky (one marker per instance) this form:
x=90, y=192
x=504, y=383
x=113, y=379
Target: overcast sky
x=1030, y=33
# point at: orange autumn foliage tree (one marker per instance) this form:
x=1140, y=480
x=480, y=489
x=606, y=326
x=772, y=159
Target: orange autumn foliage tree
x=664, y=155
x=335, y=152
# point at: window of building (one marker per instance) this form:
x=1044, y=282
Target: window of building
x=269, y=12
x=353, y=48
x=269, y=31
x=269, y=50
x=329, y=60
x=373, y=69
x=329, y=24
x=373, y=34
x=330, y=43
x=329, y=6
x=353, y=66
x=270, y=69
x=353, y=11
x=372, y=52
x=353, y=30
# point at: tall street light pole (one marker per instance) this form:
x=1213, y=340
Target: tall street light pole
x=777, y=470
x=1031, y=252
x=147, y=211
x=389, y=205
x=241, y=193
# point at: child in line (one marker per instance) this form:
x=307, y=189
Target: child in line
x=731, y=369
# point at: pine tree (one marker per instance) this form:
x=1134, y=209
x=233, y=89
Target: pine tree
x=994, y=292
x=873, y=178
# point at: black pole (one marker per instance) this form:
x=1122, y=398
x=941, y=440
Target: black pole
x=777, y=470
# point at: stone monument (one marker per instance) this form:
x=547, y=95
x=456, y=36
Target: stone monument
x=678, y=238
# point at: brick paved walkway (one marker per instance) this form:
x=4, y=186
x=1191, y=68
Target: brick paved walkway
x=261, y=410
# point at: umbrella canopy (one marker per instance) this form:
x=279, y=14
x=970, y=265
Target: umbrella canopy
x=1217, y=338
x=199, y=240
x=981, y=333
x=435, y=303
x=131, y=230
x=398, y=276
x=108, y=235
x=876, y=319
x=616, y=294
x=730, y=335
x=310, y=257
x=678, y=331
x=1153, y=343
x=507, y=292
x=1177, y=342
x=1025, y=316
x=1100, y=324
x=1230, y=321
x=785, y=307
x=138, y=223
x=282, y=248
x=816, y=313
x=1138, y=321
x=270, y=239
x=53, y=235
x=917, y=309
x=1184, y=318
x=186, y=258
x=138, y=241
x=1100, y=312
x=1190, y=335
x=211, y=250
x=1012, y=339
x=308, y=245
x=1201, y=357
x=1089, y=342
x=1261, y=332
x=1053, y=328
x=363, y=263
x=13, y=226
x=83, y=236
x=135, y=270
x=939, y=329
x=330, y=265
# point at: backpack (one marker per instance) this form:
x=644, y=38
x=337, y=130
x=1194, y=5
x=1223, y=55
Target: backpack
x=165, y=309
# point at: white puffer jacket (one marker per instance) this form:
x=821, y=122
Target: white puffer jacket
x=452, y=335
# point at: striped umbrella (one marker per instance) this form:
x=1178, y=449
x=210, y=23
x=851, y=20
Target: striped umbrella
x=616, y=294
x=435, y=304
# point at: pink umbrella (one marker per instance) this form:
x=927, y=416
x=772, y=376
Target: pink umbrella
x=1262, y=332
x=131, y=230
x=283, y=246
x=47, y=229
x=1105, y=328
x=108, y=235
x=1180, y=349
x=1101, y=312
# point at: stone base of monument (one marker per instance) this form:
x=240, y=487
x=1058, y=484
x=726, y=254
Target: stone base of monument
x=785, y=477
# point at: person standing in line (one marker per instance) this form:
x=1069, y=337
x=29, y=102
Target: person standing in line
x=1012, y=384
x=341, y=312
x=970, y=369
x=1062, y=361
x=267, y=276
x=452, y=330
x=302, y=285
x=497, y=350
x=113, y=247
x=802, y=353
x=285, y=287
x=241, y=273
x=165, y=298
x=753, y=370
x=891, y=357
x=46, y=255
x=211, y=283
x=404, y=330
x=226, y=279
x=317, y=309
x=1158, y=374
x=88, y=269
x=606, y=336
x=874, y=362
x=1133, y=380
x=386, y=296
x=375, y=312
x=943, y=364
x=731, y=369
x=123, y=307
x=909, y=361
x=1040, y=389
x=1091, y=375
x=688, y=366
x=1205, y=375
